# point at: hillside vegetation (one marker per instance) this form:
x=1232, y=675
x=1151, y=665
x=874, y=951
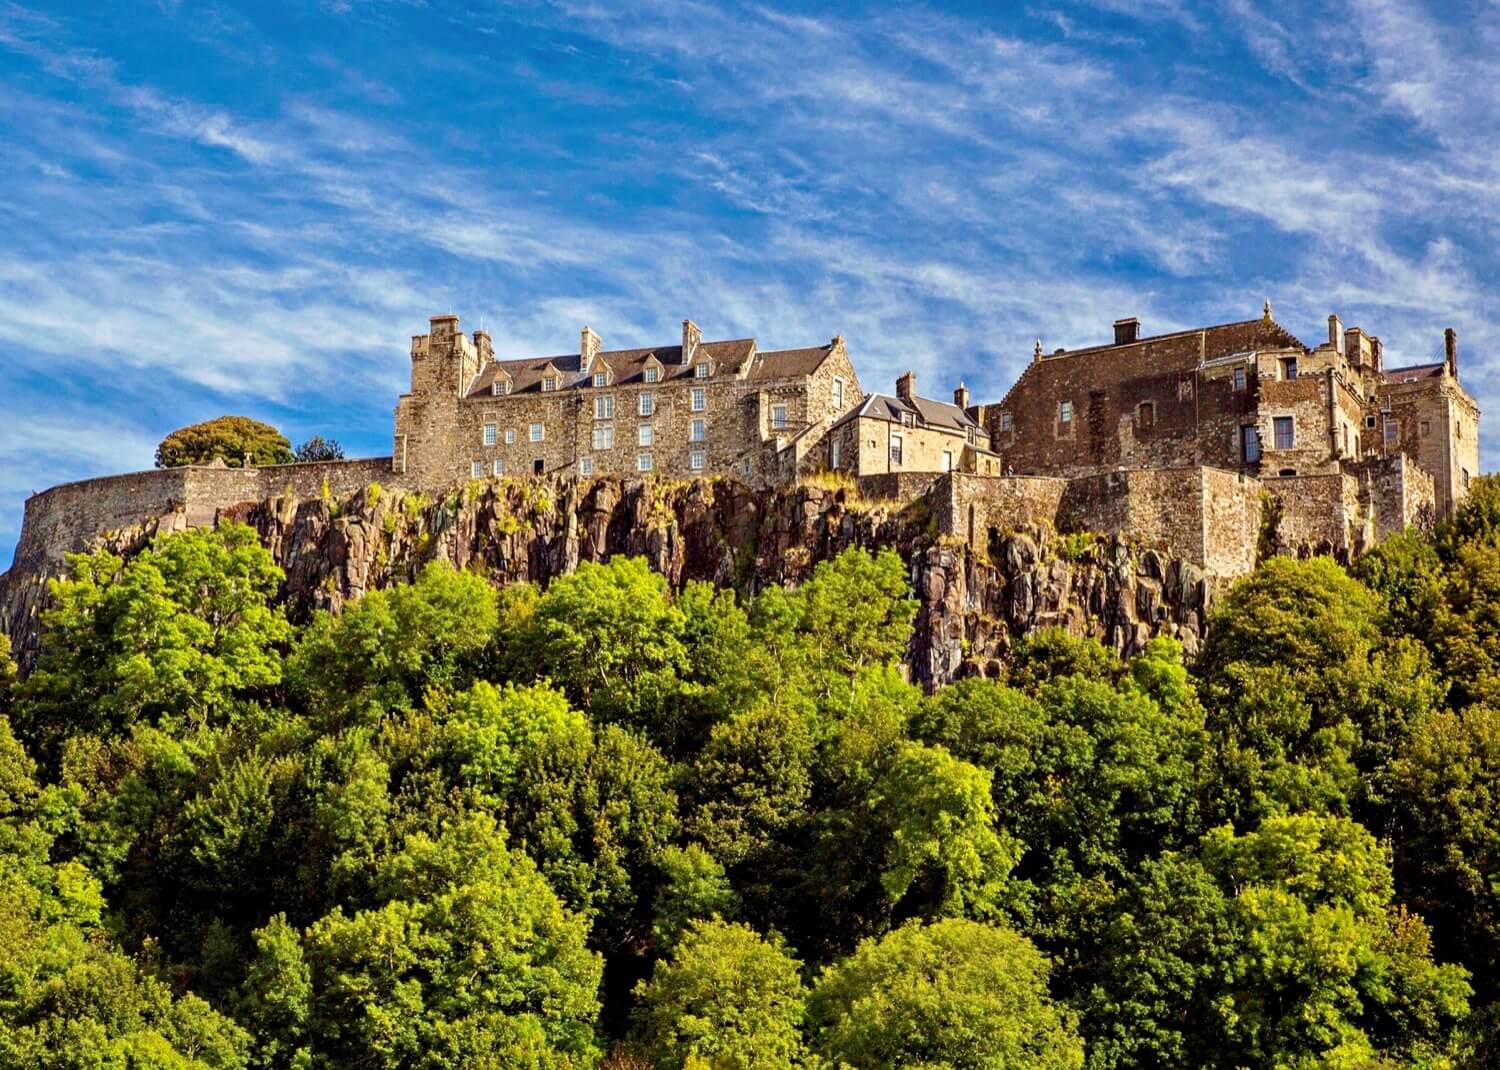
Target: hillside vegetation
x=602, y=824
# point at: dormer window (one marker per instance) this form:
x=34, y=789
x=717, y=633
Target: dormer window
x=702, y=371
x=500, y=387
x=549, y=384
x=649, y=375
x=908, y=420
x=601, y=378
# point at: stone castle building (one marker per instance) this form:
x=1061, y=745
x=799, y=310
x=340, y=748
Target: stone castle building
x=1326, y=427
x=1203, y=443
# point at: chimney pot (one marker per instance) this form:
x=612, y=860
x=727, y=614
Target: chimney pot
x=906, y=386
x=1127, y=331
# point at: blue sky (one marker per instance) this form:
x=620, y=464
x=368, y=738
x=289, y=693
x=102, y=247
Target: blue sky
x=213, y=208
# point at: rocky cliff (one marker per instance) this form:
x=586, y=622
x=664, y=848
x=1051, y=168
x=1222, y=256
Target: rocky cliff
x=976, y=596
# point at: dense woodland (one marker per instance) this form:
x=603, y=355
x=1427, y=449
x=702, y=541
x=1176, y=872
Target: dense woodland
x=600, y=823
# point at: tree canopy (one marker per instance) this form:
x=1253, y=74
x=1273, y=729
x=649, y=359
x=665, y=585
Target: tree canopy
x=230, y=439
x=612, y=823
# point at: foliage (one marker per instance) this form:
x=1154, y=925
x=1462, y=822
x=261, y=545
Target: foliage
x=953, y=994
x=450, y=826
x=319, y=448
x=726, y=996
x=228, y=438
x=184, y=631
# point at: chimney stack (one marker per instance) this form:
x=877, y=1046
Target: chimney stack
x=485, y=346
x=691, y=337
x=1450, y=351
x=1336, y=334
x=1354, y=346
x=1127, y=331
x=1377, y=352
x=961, y=396
x=588, y=348
x=906, y=387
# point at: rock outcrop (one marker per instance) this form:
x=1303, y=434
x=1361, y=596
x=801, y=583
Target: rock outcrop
x=976, y=597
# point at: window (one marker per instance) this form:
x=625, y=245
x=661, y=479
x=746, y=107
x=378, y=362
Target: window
x=1145, y=415
x=947, y=460
x=838, y=395
x=643, y=463
x=1392, y=432
x=647, y=404
x=539, y=466
x=477, y=469
x=700, y=399
x=500, y=387
x=1064, y=412
x=1369, y=421
x=908, y=419
x=833, y=454
x=1289, y=368
x=1287, y=472
x=1005, y=421
x=701, y=371
x=604, y=438
x=695, y=460
x=549, y=383
x=510, y=436
x=1239, y=378
x=778, y=416
x=585, y=466
x=538, y=432
x=498, y=468
x=1424, y=428
x=601, y=378
x=698, y=431
x=489, y=434
x=1464, y=476
x=649, y=375
x=604, y=407
x=1284, y=431
x=643, y=435
x=895, y=449
x=1250, y=443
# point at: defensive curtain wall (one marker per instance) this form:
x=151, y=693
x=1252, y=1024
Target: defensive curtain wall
x=1211, y=519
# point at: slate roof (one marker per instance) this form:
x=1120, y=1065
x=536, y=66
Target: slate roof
x=628, y=365
x=1416, y=371
x=1220, y=340
x=929, y=412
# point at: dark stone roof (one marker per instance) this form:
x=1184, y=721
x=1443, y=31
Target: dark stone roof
x=629, y=365
x=928, y=412
x=1415, y=371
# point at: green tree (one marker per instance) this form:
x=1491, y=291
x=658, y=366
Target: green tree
x=390, y=648
x=725, y=997
x=276, y=997
x=1053, y=653
x=185, y=630
x=956, y=994
x=1305, y=694
x=8, y=676
x=1280, y=947
x=693, y=887
x=319, y=448
x=466, y=959
x=228, y=438
x=611, y=638
x=1446, y=783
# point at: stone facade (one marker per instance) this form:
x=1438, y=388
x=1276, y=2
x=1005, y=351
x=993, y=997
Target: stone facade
x=910, y=433
x=693, y=409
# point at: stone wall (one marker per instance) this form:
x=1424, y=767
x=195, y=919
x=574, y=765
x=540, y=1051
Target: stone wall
x=974, y=602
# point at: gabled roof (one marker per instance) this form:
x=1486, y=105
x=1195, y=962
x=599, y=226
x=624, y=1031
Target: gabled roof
x=1176, y=351
x=626, y=365
x=930, y=413
x=1415, y=371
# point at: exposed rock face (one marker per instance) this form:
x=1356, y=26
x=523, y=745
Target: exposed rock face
x=975, y=599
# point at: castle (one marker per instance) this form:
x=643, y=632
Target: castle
x=1205, y=442
x=1353, y=449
